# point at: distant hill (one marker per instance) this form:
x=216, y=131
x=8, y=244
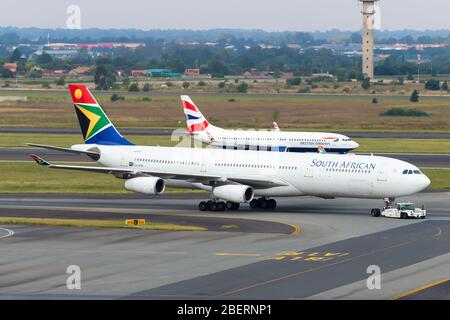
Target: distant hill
x=94, y=34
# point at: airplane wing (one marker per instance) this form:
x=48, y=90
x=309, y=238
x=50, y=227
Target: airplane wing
x=93, y=154
x=252, y=181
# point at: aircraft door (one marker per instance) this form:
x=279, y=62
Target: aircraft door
x=309, y=172
x=126, y=160
x=381, y=173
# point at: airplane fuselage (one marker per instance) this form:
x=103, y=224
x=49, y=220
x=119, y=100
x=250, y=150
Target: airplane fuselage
x=275, y=140
x=322, y=175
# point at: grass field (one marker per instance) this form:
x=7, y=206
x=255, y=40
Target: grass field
x=28, y=177
x=20, y=139
x=366, y=145
x=98, y=224
x=305, y=112
x=404, y=145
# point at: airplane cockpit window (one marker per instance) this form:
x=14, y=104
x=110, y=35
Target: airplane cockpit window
x=406, y=171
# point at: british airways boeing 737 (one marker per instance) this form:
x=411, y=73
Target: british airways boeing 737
x=275, y=140
x=232, y=176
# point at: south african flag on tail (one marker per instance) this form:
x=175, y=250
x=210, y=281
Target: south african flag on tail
x=94, y=123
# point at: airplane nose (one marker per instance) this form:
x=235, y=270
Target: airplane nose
x=355, y=144
x=425, y=181
x=422, y=183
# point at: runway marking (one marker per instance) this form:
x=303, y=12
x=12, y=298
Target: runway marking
x=237, y=254
x=291, y=275
x=424, y=287
x=9, y=233
x=307, y=256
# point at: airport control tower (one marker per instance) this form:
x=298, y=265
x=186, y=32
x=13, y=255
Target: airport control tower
x=368, y=12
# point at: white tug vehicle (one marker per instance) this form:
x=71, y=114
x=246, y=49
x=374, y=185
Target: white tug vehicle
x=401, y=210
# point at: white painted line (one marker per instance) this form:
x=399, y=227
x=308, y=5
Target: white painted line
x=9, y=233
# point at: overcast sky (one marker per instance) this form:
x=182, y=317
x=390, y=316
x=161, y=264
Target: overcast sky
x=279, y=15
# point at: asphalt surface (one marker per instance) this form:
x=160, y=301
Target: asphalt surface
x=391, y=249
x=168, y=132
x=337, y=242
x=440, y=290
x=23, y=154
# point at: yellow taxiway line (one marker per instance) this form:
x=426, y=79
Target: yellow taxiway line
x=424, y=287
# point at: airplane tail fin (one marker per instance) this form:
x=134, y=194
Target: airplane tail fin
x=195, y=120
x=275, y=126
x=94, y=123
x=321, y=149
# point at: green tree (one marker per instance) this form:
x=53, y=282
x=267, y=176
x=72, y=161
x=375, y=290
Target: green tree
x=242, y=87
x=61, y=81
x=221, y=85
x=44, y=58
x=186, y=85
x=134, y=87
x=116, y=97
x=6, y=73
x=414, y=96
x=217, y=68
x=365, y=84
x=15, y=55
x=35, y=73
x=433, y=85
x=294, y=81
x=444, y=86
x=356, y=38
x=104, y=77
x=146, y=87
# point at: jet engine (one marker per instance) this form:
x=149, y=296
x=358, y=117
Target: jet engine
x=145, y=185
x=234, y=193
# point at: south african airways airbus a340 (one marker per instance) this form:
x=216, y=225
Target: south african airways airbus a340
x=232, y=177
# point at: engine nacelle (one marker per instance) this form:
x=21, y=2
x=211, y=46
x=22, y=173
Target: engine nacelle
x=145, y=185
x=234, y=193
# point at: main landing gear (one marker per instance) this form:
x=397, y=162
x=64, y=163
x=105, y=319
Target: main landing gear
x=263, y=203
x=218, y=206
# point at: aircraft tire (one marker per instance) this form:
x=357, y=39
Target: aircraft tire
x=203, y=206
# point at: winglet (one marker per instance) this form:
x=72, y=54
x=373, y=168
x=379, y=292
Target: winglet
x=40, y=161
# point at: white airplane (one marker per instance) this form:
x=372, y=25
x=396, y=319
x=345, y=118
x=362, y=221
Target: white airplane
x=232, y=176
x=274, y=140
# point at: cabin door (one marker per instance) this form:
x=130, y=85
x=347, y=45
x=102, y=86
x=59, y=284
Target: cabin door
x=381, y=174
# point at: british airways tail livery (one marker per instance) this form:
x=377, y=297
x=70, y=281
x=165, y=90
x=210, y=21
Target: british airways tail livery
x=233, y=176
x=274, y=140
